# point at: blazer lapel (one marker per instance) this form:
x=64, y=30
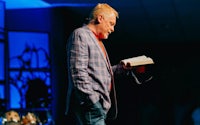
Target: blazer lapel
x=105, y=57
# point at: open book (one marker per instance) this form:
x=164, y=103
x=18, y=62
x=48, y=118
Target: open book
x=136, y=61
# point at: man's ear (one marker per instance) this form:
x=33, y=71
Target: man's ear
x=99, y=19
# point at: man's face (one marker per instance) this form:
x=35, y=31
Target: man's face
x=106, y=26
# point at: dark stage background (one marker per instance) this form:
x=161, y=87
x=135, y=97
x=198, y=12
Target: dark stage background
x=168, y=99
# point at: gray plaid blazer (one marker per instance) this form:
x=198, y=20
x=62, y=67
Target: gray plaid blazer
x=89, y=71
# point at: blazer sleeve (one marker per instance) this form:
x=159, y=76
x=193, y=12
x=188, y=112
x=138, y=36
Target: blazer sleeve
x=79, y=62
x=118, y=69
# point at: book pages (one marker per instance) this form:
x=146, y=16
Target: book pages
x=136, y=61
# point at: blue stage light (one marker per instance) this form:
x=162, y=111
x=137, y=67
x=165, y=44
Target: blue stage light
x=20, y=4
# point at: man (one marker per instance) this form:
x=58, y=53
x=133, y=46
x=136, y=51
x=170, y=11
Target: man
x=91, y=83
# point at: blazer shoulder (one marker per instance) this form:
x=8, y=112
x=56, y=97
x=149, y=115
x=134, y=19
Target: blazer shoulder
x=82, y=29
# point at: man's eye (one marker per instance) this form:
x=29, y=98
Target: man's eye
x=112, y=24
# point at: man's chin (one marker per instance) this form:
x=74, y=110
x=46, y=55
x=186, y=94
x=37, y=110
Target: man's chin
x=106, y=37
